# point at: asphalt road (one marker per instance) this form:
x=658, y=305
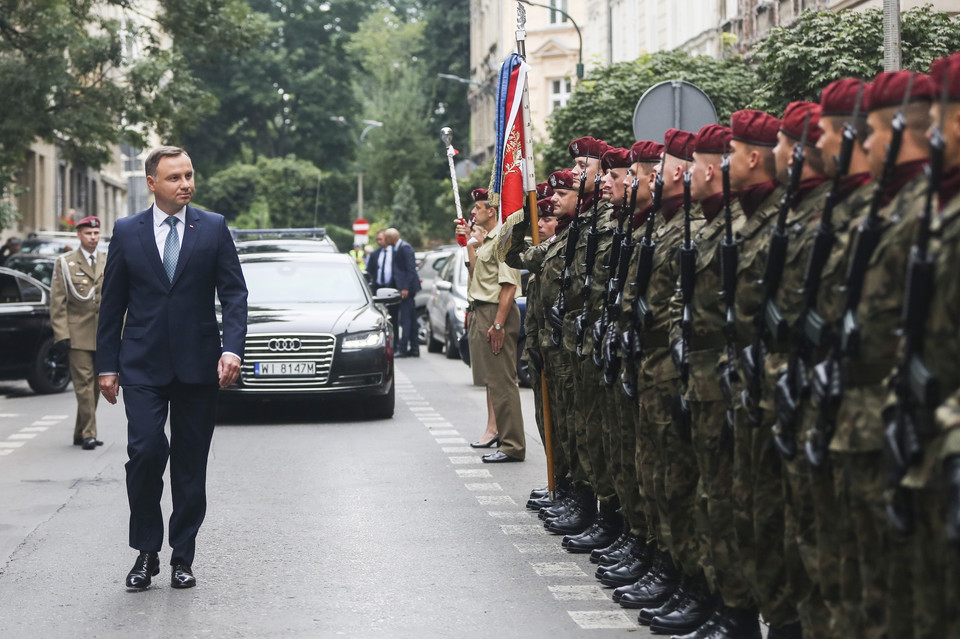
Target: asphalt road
x=318, y=525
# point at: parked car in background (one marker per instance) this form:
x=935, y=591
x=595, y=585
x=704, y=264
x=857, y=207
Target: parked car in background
x=428, y=267
x=314, y=330
x=447, y=309
x=37, y=265
x=26, y=335
x=313, y=240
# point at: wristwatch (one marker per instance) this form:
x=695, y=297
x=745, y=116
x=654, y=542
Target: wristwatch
x=498, y=327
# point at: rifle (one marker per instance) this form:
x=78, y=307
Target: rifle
x=916, y=389
x=599, y=329
x=770, y=325
x=557, y=311
x=811, y=331
x=728, y=278
x=681, y=349
x=640, y=315
x=611, y=339
x=593, y=239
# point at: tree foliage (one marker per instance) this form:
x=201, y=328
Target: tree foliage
x=796, y=62
x=602, y=104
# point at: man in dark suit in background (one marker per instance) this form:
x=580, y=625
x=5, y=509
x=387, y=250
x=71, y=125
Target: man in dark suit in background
x=408, y=281
x=380, y=275
x=158, y=337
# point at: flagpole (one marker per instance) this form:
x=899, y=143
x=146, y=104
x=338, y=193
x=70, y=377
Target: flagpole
x=530, y=186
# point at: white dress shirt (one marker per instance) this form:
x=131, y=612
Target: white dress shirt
x=161, y=229
x=87, y=256
x=386, y=264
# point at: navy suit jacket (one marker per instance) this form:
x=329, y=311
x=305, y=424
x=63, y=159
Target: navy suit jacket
x=405, y=268
x=170, y=331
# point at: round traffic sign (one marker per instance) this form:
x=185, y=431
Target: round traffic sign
x=361, y=227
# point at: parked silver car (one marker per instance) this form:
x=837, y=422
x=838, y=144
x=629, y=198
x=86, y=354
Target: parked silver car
x=428, y=267
x=447, y=308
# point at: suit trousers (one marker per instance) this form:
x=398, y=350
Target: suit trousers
x=409, y=340
x=192, y=409
x=499, y=374
x=87, y=389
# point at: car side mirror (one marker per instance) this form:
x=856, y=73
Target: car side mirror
x=387, y=296
x=443, y=285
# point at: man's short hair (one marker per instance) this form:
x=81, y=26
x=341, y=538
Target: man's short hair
x=153, y=160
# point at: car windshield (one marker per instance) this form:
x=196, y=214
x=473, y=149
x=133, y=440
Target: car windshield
x=41, y=269
x=45, y=247
x=285, y=282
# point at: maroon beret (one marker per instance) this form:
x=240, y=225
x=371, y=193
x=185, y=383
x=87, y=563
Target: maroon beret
x=796, y=116
x=588, y=147
x=754, y=127
x=890, y=88
x=713, y=138
x=563, y=180
x=91, y=221
x=545, y=208
x=544, y=190
x=616, y=158
x=480, y=194
x=839, y=98
x=947, y=70
x=679, y=143
x=646, y=151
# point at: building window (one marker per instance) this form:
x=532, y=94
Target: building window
x=555, y=16
x=559, y=93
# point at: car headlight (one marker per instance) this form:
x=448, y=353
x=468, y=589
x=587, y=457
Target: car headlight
x=372, y=339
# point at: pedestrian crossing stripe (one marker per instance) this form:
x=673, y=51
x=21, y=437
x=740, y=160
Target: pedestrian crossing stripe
x=601, y=619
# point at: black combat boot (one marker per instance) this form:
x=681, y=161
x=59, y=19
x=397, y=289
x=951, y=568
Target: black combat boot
x=629, y=570
x=604, y=531
x=728, y=623
x=616, y=551
x=664, y=579
x=694, y=605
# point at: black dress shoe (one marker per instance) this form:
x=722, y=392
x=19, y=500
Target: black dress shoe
x=694, y=606
x=146, y=566
x=490, y=444
x=90, y=443
x=181, y=576
x=498, y=457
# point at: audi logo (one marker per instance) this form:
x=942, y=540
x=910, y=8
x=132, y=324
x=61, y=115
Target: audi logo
x=285, y=345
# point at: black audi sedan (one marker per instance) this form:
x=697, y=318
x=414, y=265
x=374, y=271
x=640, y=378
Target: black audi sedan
x=26, y=336
x=315, y=330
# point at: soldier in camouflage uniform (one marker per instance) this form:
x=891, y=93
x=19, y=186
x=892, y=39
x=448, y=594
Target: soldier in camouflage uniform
x=752, y=174
x=857, y=445
x=660, y=387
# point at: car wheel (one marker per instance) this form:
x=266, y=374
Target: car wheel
x=382, y=407
x=452, y=346
x=51, y=369
x=423, y=326
x=433, y=345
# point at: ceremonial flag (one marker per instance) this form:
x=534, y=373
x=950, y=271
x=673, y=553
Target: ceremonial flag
x=513, y=163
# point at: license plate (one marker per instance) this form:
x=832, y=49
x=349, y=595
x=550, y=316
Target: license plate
x=282, y=369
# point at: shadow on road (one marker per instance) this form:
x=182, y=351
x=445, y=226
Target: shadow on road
x=287, y=411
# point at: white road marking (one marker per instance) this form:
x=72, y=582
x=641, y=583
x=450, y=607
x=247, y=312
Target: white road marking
x=11, y=444
x=465, y=460
x=450, y=450
x=510, y=514
x=596, y=619
x=445, y=433
x=451, y=440
x=5, y=452
x=9, y=414
x=558, y=569
x=433, y=425
x=34, y=429
x=433, y=419
x=484, y=487
x=579, y=593
x=474, y=472
x=495, y=500
x=422, y=409
x=45, y=423
x=535, y=548
x=54, y=417
x=22, y=436
x=523, y=529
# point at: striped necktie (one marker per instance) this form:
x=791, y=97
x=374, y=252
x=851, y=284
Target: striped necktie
x=171, y=248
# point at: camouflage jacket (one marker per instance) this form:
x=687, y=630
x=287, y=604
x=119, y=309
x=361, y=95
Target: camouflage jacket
x=859, y=427
x=577, y=295
x=545, y=261
x=709, y=305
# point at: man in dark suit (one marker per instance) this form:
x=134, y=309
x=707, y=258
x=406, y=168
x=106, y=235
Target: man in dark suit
x=380, y=275
x=158, y=337
x=408, y=281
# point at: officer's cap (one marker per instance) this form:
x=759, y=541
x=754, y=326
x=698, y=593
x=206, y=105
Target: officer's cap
x=616, y=158
x=646, y=151
x=480, y=194
x=562, y=180
x=947, y=70
x=839, y=98
x=713, y=138
x=889, y=89
x=91, y=220
x=544, y=190
x=679, y=143
x=754, y=127
x=545, y=208
x=587, y=147
x=798, y=115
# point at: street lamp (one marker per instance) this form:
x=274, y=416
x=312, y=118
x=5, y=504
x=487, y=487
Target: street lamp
x=371, y=124
x=575, y=26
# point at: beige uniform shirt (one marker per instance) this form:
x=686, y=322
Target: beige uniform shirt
x=489, y=273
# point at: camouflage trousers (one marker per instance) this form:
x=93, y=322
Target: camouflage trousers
x=936, y=602
x=560, y=384
x=610, y=420
x=881, y=590
x=650, y=461
x=720, y=556
x=561, y=467
x=680, y=476
x=627, y=481
x=590, y=429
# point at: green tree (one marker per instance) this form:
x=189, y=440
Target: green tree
x=406, y=211
x=602, y=104
x=796, y=62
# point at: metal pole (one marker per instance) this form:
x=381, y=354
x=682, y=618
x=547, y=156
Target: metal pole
x=891, y=36
x=360, y=195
